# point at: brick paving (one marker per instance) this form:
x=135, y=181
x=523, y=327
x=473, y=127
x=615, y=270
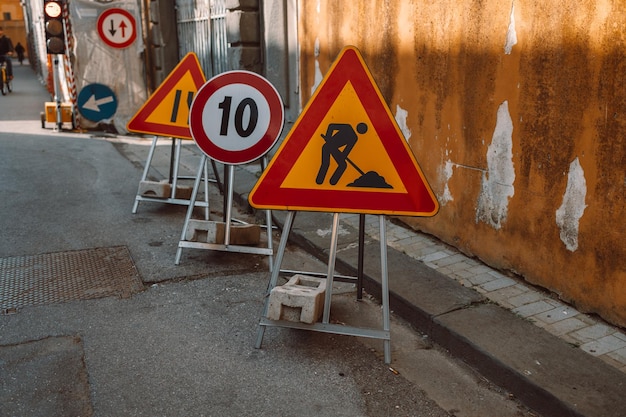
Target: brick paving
x=589, y=333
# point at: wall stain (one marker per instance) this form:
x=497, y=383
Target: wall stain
x=565, y=82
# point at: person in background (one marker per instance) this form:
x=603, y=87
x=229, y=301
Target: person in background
x=6, y=50
x=19, y=50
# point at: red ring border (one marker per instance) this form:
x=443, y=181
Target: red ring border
x=268, y=139
x=126, y=13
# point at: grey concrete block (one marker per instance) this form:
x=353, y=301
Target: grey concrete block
x=154, y=189
x=301, y=299
x=206, y=231
x=163, y=189
x=183, y=192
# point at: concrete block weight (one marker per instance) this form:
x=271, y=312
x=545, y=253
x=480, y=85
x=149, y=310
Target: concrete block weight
x=206, y=231
x=301, y=299
x=163, y=189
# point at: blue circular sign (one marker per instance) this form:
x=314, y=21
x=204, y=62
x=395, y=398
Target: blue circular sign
x=97, y=102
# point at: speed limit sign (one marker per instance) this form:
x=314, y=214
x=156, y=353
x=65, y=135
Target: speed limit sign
x=236, y=117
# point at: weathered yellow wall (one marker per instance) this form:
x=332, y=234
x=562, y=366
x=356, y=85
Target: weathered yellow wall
x=502, y=136
x=13, y=28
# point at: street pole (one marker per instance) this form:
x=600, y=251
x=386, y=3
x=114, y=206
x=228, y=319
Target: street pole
x=57, y=98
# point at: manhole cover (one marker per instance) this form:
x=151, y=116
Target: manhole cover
x=65, y=276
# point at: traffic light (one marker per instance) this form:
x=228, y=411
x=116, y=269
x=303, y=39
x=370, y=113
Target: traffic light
x=55, y=30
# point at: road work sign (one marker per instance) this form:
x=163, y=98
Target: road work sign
x=166, y=112
x=345, y=153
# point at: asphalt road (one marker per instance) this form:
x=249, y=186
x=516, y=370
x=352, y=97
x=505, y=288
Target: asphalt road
x=184, y=344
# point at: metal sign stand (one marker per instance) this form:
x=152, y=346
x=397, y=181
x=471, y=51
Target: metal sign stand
x=226, y=246
x=325, y=326
x=173, y=179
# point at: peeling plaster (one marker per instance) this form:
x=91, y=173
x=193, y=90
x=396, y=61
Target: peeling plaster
x=445, y=173
x=511, y=35
x=497, y=182
x=573, y=206
x=401, y=116
x=318, y=72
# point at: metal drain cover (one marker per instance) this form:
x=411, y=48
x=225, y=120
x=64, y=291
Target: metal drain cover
x=65, y=276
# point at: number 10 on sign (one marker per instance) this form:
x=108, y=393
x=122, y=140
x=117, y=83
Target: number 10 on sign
x=236, y=117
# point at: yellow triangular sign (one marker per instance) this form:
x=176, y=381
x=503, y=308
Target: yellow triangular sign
x=345, y=153
x=166, y=112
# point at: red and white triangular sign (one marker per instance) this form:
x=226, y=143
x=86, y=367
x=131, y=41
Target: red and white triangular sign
x=345, y=153
x=166, y=112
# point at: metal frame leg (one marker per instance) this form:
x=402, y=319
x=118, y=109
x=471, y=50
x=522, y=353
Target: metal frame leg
x=275, y=272
x=146, y=169
x=206, y=190
x=332, y=257
x=192, y=203
x=359, y=273
x=229, y=203
x=384, y=279
x=176, y=145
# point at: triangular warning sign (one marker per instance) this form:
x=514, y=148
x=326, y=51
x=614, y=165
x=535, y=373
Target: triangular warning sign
x=345, y=153
x=166, y=112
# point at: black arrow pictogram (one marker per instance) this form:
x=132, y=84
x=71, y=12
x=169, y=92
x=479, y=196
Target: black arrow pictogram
x=112, y=30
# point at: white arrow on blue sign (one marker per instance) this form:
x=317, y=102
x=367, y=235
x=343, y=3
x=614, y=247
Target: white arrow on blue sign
x=97, y=102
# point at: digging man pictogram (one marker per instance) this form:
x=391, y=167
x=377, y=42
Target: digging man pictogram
x=339, y=140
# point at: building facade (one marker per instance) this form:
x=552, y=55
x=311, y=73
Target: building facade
x=12, y=21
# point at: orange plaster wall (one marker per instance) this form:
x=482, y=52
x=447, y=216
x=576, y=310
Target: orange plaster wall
x=444, y=64
x=13, y=28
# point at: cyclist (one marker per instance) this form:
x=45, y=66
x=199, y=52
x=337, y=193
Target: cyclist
x=6, y=50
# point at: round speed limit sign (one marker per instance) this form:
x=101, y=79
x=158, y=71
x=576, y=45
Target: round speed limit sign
x=236, y=117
